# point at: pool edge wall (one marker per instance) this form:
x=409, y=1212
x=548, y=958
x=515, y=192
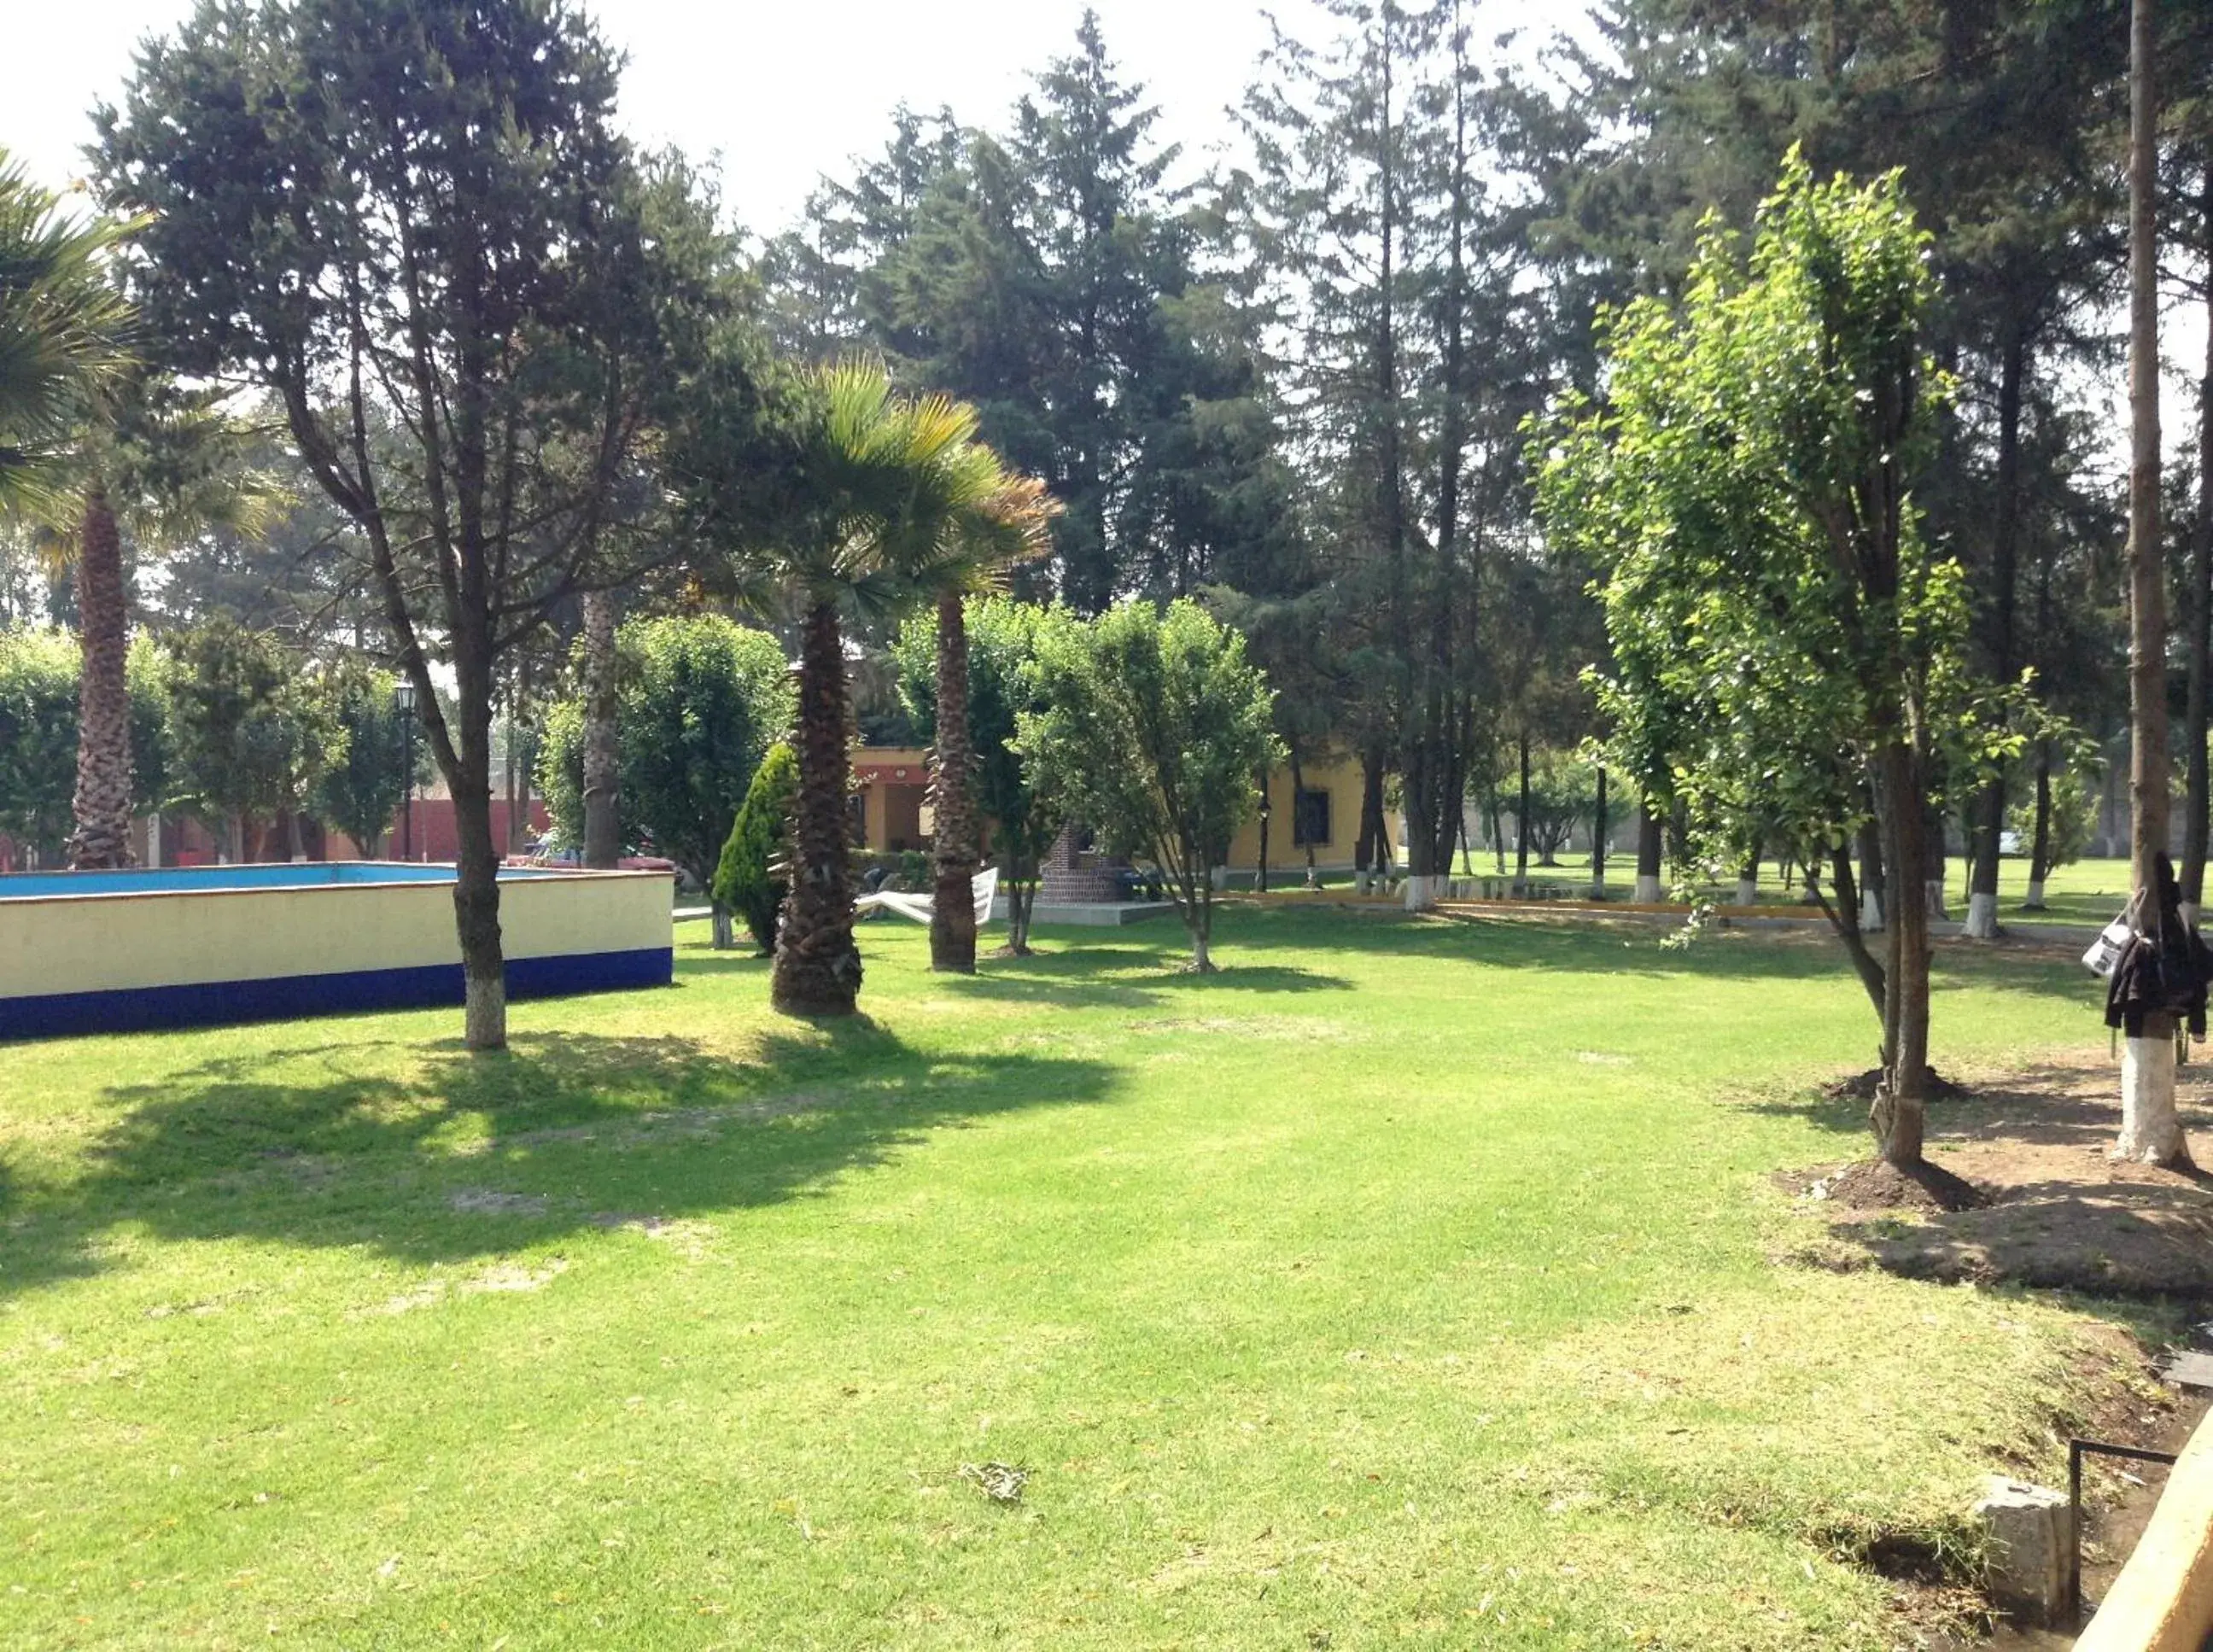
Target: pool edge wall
x=136, y=962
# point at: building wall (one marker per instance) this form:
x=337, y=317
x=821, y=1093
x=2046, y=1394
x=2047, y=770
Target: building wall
x=91, y=962
x=890, y=785
x=1339, y=780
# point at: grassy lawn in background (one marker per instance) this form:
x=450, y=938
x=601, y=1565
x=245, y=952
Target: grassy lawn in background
x=2087, y=891
x=1406, y=1284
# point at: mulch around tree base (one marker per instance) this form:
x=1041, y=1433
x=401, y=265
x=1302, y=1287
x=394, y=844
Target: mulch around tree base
x=1861, y=1087
x=1874, y=1185
x=2020, y=1188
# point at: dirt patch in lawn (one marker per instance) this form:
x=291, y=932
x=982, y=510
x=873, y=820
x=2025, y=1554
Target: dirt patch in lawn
x=2020, y=1188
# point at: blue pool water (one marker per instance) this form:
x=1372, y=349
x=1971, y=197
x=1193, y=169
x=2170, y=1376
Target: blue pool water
x=180, y=880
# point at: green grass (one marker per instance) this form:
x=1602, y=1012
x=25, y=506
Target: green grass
x=2087, y=891
x=1405, y=1284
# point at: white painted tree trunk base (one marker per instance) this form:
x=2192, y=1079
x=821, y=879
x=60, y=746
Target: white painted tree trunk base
x=1936, y=888
x=1421, y=893
x=2151, y=1131
x=1870, y=913
x=1649, y=892
x=1363, y=882
x=484, y=1013
x=1982, y=917
x=2189, y=914
x=2034, y=898
x=1747, y=892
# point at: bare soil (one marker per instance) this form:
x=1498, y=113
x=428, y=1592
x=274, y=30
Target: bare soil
x=2020, y=1189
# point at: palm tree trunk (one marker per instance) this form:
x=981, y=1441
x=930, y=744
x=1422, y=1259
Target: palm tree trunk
x=602, y=748
x=102, y=837
x=954, y=835
x=817, y=967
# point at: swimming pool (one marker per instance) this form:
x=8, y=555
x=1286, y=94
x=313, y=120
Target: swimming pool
x=114, y=952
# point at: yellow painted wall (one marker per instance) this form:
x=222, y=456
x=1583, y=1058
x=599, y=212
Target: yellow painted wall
x=1338, y=776
x=96, y=944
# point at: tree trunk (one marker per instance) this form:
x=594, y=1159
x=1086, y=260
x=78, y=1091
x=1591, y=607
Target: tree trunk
x=1021, y=896
x=1987, y=821
x=476, y=901
x=2148, y=1131
x=1651, y=851
x=1370, y=850
x=1899, y=1113
x=602, y=747
x=1598, y=840
x=1874, y=892
x=2040, y=851
x=102, y=835
x=2199, y=650
x=954, y=840
x=725, y=934
x=1522, y=826
x=817, y=967
x=1747, y=882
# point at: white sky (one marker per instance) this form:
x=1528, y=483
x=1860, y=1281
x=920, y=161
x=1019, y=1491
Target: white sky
x=785, y=91
x=788, y=91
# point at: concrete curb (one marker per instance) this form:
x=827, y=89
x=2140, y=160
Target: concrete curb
x=2162, y=1601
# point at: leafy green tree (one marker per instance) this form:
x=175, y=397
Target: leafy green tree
x=1748, y=487
x=750, y=879
x=252, y=734
x=416, y=181
x=1002, y=637
x=375, y=761
x=39, y=697
x=1154, y=725
x=699, y=699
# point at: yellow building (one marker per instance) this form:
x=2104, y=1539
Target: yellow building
x=890, y=802
x=891, y=812
x=1327, y=813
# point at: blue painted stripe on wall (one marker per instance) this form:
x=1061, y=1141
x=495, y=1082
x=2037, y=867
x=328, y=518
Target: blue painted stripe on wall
x=139, y=1009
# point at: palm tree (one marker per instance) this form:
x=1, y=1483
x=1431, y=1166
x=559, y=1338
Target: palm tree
x=887, y=478
x=62, y=333
x=163, y=464
x=63, y=351
x=1000, y=520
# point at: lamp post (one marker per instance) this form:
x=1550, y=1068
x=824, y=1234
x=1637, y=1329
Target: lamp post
x=403, y=700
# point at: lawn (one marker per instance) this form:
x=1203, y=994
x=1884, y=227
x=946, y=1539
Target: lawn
x=1407, y=1283
x=2086, y=891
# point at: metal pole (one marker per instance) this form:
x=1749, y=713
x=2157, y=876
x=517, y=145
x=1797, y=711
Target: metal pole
x=407, y=805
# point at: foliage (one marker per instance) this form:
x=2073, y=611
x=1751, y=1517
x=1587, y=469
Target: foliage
x=64, y=333
x=252, y=734
x=1562, y=799
x=375, y=761
x=698, y=700
x=1153, y=727
x=750, y=878
x=38, y=676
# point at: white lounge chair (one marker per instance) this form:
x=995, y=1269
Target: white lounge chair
x=984, y=886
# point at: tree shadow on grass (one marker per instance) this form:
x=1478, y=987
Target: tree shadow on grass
x=1594, y=944
x=1089, y=976
x=442, y=1155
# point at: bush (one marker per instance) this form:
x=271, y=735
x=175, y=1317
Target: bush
x=748, y=880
